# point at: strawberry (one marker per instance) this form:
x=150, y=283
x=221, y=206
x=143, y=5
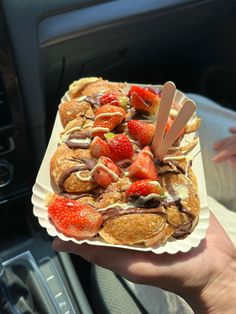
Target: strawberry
x=143, y=99
x=106, y=172
x=99, y=148
x=120, y=146
x=169, y=124
x=114, y=100
x=143, y=166
x=111, y=116
x=74, y=219
x=141, y=131
x=109, y=98
x=144, y=188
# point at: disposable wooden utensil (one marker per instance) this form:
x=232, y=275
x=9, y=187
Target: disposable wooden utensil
x=179, y=123
x=167, y=97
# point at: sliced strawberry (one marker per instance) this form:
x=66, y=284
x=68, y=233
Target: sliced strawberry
x=143, y=99
x=144, y=188
x=109, y=117
x=141, y=131
x=74, y=219
x=169, y=124
x=106, y=172
x=100, y=148
x=109, y=98
x=114, y=100
x=120, y=146
x=143, y=166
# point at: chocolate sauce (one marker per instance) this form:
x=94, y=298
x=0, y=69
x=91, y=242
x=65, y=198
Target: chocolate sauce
x=124, y=164
x=152, y=203
x=79, y=136
x=182, y=230
x=116, y=212
x=170, y=166
x=93, y=101
x=71, y=144
x=89, y=163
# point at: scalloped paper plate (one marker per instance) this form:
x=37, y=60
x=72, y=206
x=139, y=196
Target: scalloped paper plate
x=43, y=185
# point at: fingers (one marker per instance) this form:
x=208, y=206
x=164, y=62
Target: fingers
x=232, y=129
x=118, y=260
x=226, y=149
x=232, y=161
x=224, y=154
x=221, y=143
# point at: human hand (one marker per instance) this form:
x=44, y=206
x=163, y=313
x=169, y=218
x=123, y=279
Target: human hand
x=203, y=276
x=226, y=149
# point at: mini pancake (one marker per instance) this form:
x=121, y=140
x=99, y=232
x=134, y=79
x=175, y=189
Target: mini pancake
x=134, y=229
x=94, y=87
x=63, y=167
x=74, y=109
x=182, y=203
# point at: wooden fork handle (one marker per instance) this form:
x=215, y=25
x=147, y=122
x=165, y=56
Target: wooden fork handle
x=179, y=123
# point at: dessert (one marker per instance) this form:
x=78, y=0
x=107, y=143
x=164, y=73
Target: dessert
x=108, y=182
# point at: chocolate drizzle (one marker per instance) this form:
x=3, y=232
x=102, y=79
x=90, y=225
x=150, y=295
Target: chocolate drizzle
x=93, y=101
x=88, y=164
x=78, y=136
x=182, y=230
x=169, y=167
x=115, y=212
x=151, y=203
x=124, y=164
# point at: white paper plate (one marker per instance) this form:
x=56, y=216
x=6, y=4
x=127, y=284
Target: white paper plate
x=43, y=185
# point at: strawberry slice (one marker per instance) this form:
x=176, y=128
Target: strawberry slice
x=144, y=188
x=106, y=172
x=109, y=98
x=169, y=124
x=74, y=219
x=141, y=131
x=143, y=166
x=109, y=117
x=100, y=148
x=120, y=146
x=143, y=99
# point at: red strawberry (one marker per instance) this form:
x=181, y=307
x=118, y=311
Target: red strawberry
x=99, y=148
x=144, y=188
x=114, y=100
x=107, y=172
x=143, y=166
x=111, y=116
x=109, y=98
x=74, y=219
x=120, y=146
x=143, y=99
x=169, y=124
x=141, y=131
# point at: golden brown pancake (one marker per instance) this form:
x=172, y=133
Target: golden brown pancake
x=95, y=87
x=63, y=167
x=74, y=109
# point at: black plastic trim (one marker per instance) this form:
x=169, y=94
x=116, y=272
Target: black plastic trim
x=69, y=25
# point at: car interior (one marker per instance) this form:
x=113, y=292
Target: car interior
x=44, y=46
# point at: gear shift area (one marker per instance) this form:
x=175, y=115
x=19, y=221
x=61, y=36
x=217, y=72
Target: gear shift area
x=30, y=288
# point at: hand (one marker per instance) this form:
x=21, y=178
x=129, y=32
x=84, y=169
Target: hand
x=199, y=276
x=226, y=149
